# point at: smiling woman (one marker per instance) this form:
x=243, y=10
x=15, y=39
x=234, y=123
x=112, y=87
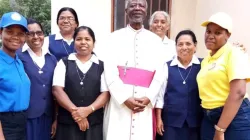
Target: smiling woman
x=61, y=44
x=15, y=84
x=39, y=66
x=81, y=91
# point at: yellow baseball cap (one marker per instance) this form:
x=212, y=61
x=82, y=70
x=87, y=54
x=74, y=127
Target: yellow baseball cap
x=221, y=19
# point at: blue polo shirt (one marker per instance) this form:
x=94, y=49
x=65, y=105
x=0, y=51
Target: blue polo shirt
x=14, y=84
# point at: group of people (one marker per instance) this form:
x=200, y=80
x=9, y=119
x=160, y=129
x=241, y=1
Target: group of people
x=147, y=87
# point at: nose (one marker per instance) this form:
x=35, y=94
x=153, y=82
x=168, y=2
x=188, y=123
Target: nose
x=35, y=35
x=137, y=7
x=83, y=42
x=184, y=47
x=159, y=24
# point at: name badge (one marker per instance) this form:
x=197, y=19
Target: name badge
x=212, y=66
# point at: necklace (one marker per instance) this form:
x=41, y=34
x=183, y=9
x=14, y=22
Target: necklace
x=81, y=78
x=39, y=69
x=65, y=47
x=184, y=80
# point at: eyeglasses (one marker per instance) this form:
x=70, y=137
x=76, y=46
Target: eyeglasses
x=32, y=34
x=68, y=18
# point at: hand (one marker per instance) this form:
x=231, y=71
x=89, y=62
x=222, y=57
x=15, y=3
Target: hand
x=159, y=126
x=218, y=135
x=144, y=100
x=134, y=105
x=83, y=124
x=53, y=129
x=81, y=113
x=239, y=45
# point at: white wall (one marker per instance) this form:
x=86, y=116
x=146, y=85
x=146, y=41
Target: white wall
x=93, y=13
x=182, y=16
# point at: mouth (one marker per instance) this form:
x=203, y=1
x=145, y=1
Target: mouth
x=36, y=42
x=83, y=48
x=209, y=42
x=65, y=26
x=159, y=29
x=14, y=43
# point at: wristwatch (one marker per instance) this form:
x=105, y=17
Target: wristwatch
x=216, y=127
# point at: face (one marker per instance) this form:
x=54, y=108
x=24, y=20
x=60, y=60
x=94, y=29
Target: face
x=84, y=43
x=66, y=22
x=136, y=11
x=160, y=25
x=13, y=37
x=215, y=37
x=185, y=47
x=35, y=36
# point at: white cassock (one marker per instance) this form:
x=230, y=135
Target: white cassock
x=140, y=49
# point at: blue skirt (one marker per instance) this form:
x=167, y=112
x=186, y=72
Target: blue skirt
x=239, y=129
x=39, y=128
x=184, y=133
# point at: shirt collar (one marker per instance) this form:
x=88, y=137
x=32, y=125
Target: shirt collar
x=60, y=37
x=44, y=49
x=8, y=59
x=219, y=52
x=165, y=40
x=132, y=29
x=175, y=62
x=93, y=58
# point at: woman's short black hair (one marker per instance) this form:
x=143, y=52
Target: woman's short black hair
x=186, y=32
x=90, y=31
x=33, y=21
x=71, y=10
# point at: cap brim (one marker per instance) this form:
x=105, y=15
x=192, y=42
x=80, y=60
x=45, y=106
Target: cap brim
x=25, y=28
x=204, y=24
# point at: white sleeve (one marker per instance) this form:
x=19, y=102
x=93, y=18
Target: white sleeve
x=59, y=74
x=160, y=98
x=104, y=86
x=118, y=90
x=157, y=83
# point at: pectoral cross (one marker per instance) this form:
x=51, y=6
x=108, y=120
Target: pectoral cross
x=125, y=68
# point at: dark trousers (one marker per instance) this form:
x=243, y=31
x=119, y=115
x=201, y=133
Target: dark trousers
x=239, y=129
x=184, y=133
x=14, y=125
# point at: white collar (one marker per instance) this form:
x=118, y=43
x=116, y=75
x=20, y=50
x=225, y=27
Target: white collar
x=44, y=48
x=137, y=31
x=175, y=62
x=166, y=40
x=60, y=37
x=93, y=58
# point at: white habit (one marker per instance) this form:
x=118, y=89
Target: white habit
x=140, y=49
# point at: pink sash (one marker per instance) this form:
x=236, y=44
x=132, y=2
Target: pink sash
x=135, y=76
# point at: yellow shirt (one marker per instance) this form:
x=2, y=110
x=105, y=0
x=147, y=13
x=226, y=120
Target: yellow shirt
x=216, y=73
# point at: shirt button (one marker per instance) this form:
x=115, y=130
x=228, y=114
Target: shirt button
x=43, y=85
x=133, y=119
x=82, y=101
x=44, y=98
x=135, y=92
